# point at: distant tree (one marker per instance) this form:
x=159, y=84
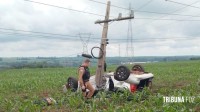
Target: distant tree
x=195, y=58
x=1, y=59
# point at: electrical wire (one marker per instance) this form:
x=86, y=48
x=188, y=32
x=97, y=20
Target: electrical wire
x=36, y=32
x=169, y=38
x=141, y=26
x=105, y=4
x=144, y=5
x=146, y=41
x=112, y=39
x=17, y=32
x=64, y=8
x=41, y=36
x=136, y=10
x=44, y=34
x=60, y=36
x=183, y=4
x=167, y=19
x=167, y=14
x=110, y=5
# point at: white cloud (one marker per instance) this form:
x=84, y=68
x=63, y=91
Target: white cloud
x=18, y=14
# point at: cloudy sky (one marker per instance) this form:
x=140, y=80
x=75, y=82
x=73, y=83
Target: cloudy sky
x=31, y=29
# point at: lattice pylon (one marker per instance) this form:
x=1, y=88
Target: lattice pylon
x=85, y=38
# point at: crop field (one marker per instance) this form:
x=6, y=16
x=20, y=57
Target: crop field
x=23, y=89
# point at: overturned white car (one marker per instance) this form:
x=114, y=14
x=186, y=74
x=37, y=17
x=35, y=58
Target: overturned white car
x=134, y=80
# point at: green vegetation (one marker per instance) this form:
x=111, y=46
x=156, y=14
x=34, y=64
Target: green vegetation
x=53, y=62
x=20, y=89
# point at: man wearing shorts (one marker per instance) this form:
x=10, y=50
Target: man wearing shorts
x=84, y=77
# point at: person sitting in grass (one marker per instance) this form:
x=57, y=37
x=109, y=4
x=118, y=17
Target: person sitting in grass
x=84, y=77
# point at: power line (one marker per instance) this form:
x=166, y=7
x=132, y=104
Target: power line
x=136, y=10
x=105, y=4
x=44, y=36
x=118, y=39
x=161, y=13
x=176, y=11
x=183, y=8
x=36, y=32
x=123, y=8
x=141, y=26
x=40, y=36
x=110, y=5
x=114, y=40
x=16, y=31
x=50, y=34
x=173, y=38
x=167, y=19
x=60, y=36
x=169, y=38
x=183, y=4
x=156, y=40
x=64, y=8
x=147, y=3
x=54, y=35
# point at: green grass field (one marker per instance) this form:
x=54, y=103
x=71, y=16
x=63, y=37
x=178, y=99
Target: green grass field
x=20, y=89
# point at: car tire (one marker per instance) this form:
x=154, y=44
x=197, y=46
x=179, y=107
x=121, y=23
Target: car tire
x=72, y=83
x=122, y=73
x=139, y=67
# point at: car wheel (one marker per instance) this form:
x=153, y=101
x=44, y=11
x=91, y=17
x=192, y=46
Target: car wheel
x=72, y=83
x=122, y=73
x=138, y=67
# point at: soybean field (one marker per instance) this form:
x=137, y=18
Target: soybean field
x=22, y=90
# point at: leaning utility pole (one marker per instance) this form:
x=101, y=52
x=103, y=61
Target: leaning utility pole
x=100, y=67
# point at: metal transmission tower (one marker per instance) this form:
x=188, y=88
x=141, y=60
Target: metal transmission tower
x=85, y=38
x=129, y=45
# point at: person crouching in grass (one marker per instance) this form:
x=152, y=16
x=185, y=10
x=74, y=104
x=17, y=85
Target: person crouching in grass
x=84, y=77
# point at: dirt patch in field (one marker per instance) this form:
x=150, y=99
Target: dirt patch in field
x=157, y=87
x=180, y=84
x=170, y=85
x=22, y=95
x=197, y=109
x=161, y=85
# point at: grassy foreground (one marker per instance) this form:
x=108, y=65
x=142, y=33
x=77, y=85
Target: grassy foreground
x=21, y=89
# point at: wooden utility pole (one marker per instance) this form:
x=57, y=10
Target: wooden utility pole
x=100, y=66
x=100, y=82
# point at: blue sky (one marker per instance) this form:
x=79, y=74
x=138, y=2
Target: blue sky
x=149, y=36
